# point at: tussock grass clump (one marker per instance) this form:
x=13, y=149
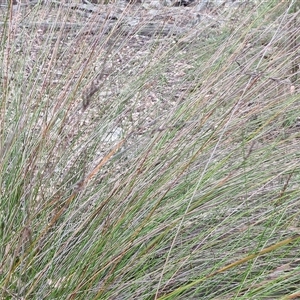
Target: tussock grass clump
x=139, y=162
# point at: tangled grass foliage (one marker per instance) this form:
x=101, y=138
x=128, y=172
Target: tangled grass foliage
x=153, y=167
